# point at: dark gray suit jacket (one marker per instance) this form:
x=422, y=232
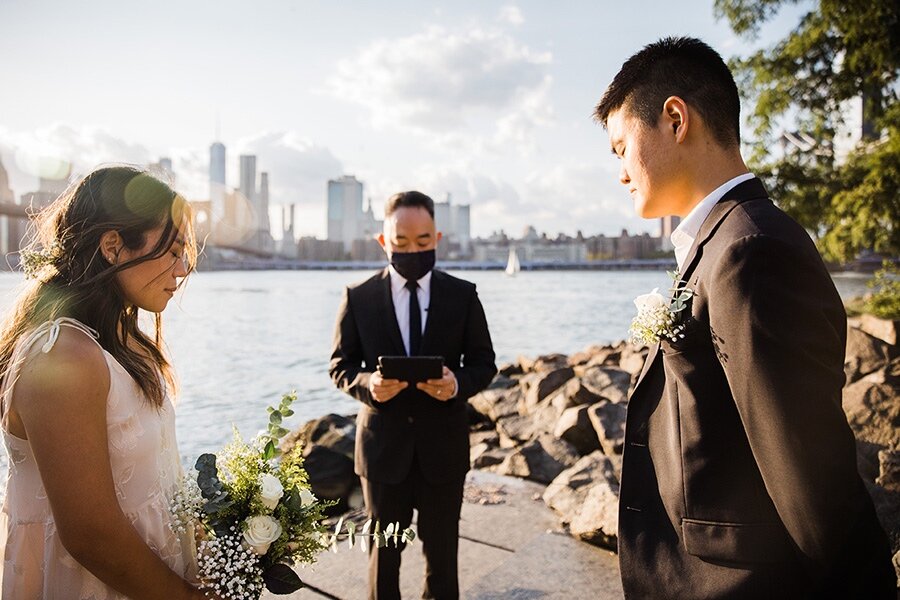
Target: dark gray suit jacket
x=413, y=423
x=739, y=472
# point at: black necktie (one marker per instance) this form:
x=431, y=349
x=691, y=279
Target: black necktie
x=415, y=318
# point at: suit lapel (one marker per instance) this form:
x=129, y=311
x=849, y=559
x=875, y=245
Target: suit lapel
x=388, y=315
x=747, y=190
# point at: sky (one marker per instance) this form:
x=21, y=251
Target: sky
x=489, y=102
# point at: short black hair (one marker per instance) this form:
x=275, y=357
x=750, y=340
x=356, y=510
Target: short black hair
x=677, y=66
x=406, y=199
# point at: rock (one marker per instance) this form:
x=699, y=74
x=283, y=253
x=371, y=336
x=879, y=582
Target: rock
x=575, y=426
x=541, y=459
x=607, y=382
x=608, y=358
x=579, y=393
x=882, y=329
x=327, y=455
x=865, y=354
x=889, y=470
x=510, y=370
x=543, y=387
x=489, y=457
x=484, y=437
x=873, y=412
x=496, y=404
x=896, y=562
x=608, y=419
x=331, y=475
x=632, y=360
x=526, y=365
x=593, y=354
x=501, y=382
x=514, y=430
x=567, y=492
x=598, y=521
x=550, y=362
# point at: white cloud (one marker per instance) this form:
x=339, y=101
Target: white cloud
x=511, y=14
x=479, y=88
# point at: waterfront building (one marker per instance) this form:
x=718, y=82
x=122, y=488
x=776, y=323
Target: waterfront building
x=217, y=185
x=666, y=226
x=347, y=221
x=453, y=221
x=316, y=250
x=288, y=246
x=531, y=248
x=6, y=197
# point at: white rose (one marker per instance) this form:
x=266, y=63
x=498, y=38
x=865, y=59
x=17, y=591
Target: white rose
x=270, y=490
x=261, y=531
x=306, y=497
x=650, y=301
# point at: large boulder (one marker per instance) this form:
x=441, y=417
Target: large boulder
x=514, y=430
x=541, y=459
x=483, y=456
x=575, y=426
x=607, y=382
x=884, y=329
x=608, y=419
x=873, y=412
x=328, y=444
x=543, y=386
x=865, y=354
x=496, y=404
x=550, y=362
x=598, y=521
x=632, y=360
x=567, y=493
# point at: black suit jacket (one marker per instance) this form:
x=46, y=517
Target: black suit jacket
x=413, y=423
x=739, y=471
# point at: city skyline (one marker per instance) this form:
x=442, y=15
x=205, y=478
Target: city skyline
x=487, y=102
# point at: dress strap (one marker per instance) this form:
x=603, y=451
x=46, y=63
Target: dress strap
x=21, y=351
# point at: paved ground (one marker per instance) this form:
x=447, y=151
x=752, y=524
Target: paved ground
x=512, y=548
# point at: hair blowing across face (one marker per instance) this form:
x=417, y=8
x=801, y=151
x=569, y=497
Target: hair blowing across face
x=677, y=66
x=77, y=282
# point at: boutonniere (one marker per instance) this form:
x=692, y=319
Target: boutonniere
x=659, y=318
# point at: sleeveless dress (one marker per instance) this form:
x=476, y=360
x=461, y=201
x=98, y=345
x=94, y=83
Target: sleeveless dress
x=146, y=470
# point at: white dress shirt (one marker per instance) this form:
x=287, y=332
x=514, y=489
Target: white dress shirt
x=400, y=295
x=684, y=235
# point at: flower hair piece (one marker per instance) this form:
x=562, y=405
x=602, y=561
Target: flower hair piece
x=34, y=262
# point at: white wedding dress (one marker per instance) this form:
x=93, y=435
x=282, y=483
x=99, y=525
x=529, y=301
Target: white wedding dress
x=146, y=470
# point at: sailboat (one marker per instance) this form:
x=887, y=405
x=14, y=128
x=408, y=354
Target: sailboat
x=513, y=266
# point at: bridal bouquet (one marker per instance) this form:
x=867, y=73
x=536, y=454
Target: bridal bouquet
x=252, y=510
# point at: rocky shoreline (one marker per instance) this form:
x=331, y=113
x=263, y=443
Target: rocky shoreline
x=559, y=420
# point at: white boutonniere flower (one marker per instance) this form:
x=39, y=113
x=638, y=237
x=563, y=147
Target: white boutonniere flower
x=658, y=318
x=270, y=490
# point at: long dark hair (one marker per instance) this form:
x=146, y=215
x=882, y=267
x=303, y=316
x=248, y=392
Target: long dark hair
x=72, y=279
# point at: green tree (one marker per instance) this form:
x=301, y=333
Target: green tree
x=840, y=50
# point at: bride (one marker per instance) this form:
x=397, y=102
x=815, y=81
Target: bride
x=87, y=418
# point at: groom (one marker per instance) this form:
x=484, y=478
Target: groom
x=412, y=441
x=739, y=473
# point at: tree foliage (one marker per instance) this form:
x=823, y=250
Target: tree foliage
x=839, y=51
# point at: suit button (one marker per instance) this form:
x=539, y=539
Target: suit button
x=410, y=420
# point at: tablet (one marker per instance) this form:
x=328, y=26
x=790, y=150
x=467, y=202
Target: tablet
x=412, y=369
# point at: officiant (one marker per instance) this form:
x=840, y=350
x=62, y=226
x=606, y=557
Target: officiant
x=412, y=442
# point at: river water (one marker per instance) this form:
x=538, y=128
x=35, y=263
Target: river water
x=239, y=340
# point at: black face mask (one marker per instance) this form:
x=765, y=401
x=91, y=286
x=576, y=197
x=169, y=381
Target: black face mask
x=413, y=266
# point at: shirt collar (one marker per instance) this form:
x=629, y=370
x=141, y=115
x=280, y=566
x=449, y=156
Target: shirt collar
x=684, y=235
x=398, y=281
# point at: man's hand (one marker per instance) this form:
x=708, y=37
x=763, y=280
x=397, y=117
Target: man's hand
x=383, y=389
x=441, y=389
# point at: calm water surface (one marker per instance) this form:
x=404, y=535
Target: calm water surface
x=239, y=340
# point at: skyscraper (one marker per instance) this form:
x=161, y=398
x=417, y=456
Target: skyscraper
x=666, y=226
x=345, y=201
x=248, y=178
x=217, y=187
